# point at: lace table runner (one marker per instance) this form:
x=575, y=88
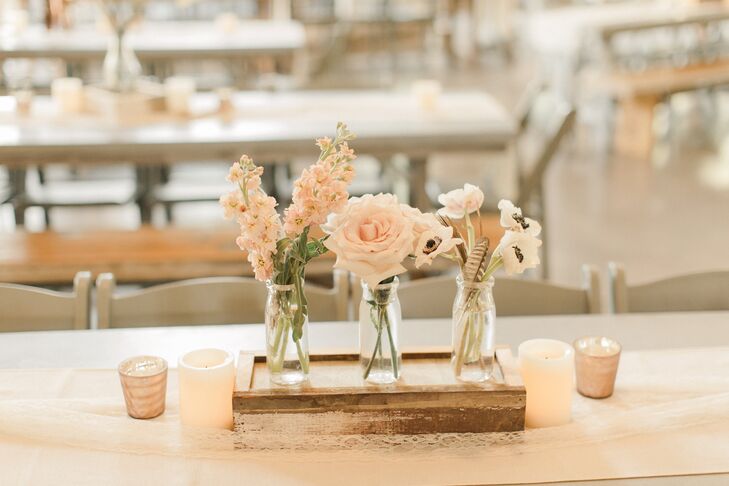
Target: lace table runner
x=672, y=402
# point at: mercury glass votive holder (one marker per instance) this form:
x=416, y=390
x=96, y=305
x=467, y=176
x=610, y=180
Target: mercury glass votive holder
x=144, y=383
x=596, y=365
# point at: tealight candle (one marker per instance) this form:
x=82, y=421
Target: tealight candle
x=426, y=93
x=144, y=383
x=178, y=91
x=207, y=378
x=596, y=365
x=547, y=369
x=68, y=93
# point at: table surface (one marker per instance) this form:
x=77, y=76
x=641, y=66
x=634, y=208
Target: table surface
x=107, y=348
x=162, y=40
x=667, y=420
x=563, y=29
x=265, y=125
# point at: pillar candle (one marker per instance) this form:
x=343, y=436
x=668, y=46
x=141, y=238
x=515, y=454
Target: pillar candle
x=178, y=91
x=207, y=378
x=547, y=368
x=68, y=93
x=426, y=93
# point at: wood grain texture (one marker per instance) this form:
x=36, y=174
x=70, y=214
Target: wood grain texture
x=427, y=399
x=145, y=255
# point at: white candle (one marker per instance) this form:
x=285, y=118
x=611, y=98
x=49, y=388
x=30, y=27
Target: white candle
x=226, y=23
x=547, y=368
x=68, y=94
x=178, y=91
x=426, y=93
x=207, y=378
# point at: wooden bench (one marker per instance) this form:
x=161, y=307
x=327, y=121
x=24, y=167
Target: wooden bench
x=639, y=93
x=146, y=255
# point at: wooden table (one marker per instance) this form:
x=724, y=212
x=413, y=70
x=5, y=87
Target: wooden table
x=154, y=41
x=270, y=127
x=648, y=429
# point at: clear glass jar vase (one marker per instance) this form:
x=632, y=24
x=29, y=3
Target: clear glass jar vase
x=287, y=333
x=379, y=333
x=474, y=316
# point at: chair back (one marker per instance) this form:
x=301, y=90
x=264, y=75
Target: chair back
x=432, y=297
x=557, y=124
x=217, y=300
x=693, y=292
x=26, y=308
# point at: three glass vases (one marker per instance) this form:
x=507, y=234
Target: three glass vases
x=474, y=315
x=287, y=333
x=379, y=333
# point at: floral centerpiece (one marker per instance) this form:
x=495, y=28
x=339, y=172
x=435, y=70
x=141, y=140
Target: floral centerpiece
x=474, y=309
x=279, y=250
x=372, y=236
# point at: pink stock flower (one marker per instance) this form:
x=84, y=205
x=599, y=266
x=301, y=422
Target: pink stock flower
x=322, y=188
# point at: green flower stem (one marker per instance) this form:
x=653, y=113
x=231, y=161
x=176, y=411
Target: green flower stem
x=374, y=353
x=277, y=339
x=393, y=352
x=303, y=359
x=283, y=346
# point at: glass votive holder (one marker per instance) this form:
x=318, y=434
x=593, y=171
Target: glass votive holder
x=596, y=365
x=144, y=383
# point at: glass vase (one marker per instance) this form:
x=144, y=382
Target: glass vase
x=474, y=316
x=379, y=333
x=287, y=333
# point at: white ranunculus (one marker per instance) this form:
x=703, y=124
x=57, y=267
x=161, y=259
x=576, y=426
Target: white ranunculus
x=460, y=202
x=371, y=237
x=513, y=220
x=519, y=251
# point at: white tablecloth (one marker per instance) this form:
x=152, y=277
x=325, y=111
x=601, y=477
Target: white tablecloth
x=669, y=416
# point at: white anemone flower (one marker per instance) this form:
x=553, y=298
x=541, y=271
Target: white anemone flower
x=513, y=220
x=434, y=241
x=519, y=251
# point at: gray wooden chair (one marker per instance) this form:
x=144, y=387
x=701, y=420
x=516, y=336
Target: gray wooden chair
x=433, y=297
x=707, y=291
x=26, y=308
x=216, y=300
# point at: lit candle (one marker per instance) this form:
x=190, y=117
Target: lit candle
x=178, y=91
x=426, y=93
x=547, y=369
x=68, y=93
x=207, y=378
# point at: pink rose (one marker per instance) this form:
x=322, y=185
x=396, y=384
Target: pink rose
x=371, y=237
x=460, y=202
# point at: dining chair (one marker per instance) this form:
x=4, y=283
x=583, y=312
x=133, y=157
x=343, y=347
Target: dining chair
x=26, y=308
x=433, y=297
x=215, y=300
x=708, y=291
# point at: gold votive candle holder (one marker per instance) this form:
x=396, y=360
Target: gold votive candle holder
x=596, y=365
x=144, y=383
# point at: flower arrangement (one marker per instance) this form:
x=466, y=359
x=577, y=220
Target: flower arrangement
x=517, y=251
x=372, y=236
x=279, y=250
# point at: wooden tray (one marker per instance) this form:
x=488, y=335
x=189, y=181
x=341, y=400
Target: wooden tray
x=426, y=400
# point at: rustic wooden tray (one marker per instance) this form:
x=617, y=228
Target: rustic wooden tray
x=427, y=399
